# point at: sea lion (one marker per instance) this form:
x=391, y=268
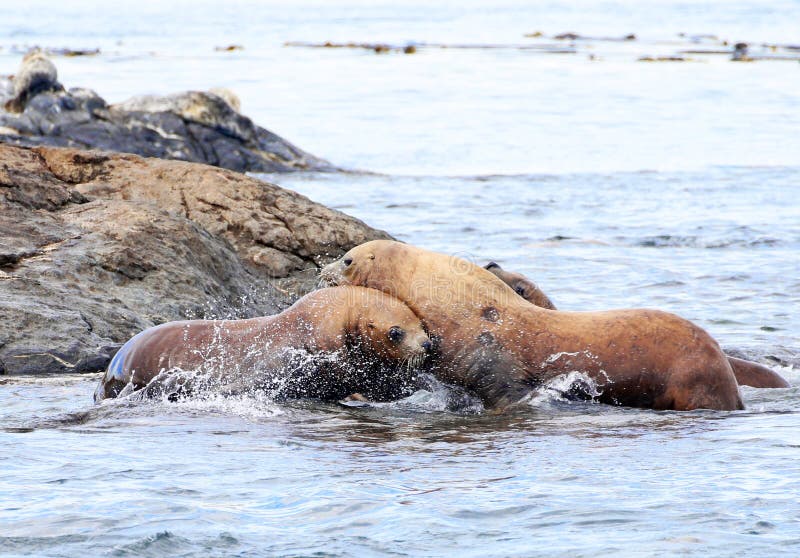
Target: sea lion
x=228, y=96
x=753, y=374
x=36, y=74
x=523, y=286
x=329, y=344
x=747, y=373
x=492, y=342
x=216, y=109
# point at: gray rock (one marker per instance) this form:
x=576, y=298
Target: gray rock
x=95, y=247
x=195, y=126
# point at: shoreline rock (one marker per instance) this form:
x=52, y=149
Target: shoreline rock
x=194, y=126
x=96, y=246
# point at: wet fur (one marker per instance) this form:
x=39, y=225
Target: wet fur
x=329, y=344
x=499, y=346
x=747, y=373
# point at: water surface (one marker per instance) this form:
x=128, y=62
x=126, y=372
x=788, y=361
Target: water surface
x=611, y=182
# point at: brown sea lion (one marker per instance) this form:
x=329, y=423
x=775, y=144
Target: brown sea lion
x=747, y=373
x=499, y=346
x=523, y=286
x=37, y=74
x=329, y=344
x=753, y=374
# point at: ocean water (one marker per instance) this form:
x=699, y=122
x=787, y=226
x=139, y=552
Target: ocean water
x=611, y=182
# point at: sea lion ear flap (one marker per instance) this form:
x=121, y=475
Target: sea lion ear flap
x=491, y=265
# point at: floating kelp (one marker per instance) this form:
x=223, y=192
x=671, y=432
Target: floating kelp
x=411, y=48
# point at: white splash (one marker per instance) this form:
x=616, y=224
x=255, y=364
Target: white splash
x=576, y=383
x=555, y=356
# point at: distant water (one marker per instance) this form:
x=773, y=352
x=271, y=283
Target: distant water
x=611, y=182
x=453, y=112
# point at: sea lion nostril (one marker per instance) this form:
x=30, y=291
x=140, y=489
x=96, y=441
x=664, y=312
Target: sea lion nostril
x=348, y=261
x=426, y=345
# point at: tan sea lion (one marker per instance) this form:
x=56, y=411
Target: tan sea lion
x=747, y=373
x=329, y=344
x=37, y=74
x=499, y=346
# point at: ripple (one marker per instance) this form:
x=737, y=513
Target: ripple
x=485, y=167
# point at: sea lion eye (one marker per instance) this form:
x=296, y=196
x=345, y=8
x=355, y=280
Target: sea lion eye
x=396, y=334
x=348, y=261
x=520, y=291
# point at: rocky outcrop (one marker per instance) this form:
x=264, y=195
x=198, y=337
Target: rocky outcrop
x=97, y=246
x=195, y=126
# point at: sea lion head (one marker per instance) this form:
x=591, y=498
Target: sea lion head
x=410, y=274
x=228, y=96
x=392, y=330
x=360, y=265
x=523, y=286
x=377, y=265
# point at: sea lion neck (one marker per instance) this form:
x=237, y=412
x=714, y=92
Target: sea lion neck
x=318, y=325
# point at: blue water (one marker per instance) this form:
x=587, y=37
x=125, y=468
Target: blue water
x=611, y=182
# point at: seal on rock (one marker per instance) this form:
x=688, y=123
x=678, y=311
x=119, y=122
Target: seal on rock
x=329, y=344
x=216, y=109
x=228, y=96
x=37, y=74
x=499, y=346
x=747, y=373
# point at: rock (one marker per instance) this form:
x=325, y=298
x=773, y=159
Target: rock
x=377, y=48
x=228, y=48
x=6, y=88
x=250, y=214
x=72, y=52
x=567, y=37
x=195, y=126
x=664, y=59
x=740, y=53
x=95, y=247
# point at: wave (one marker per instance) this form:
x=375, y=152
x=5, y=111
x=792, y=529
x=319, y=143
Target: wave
x=692, y=241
